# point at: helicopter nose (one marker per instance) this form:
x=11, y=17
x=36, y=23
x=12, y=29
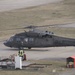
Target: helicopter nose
x=6, y=43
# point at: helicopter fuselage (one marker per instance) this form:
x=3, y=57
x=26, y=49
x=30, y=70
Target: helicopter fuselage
x=30, y=40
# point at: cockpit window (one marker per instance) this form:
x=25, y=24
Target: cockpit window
x=18, y=39
x=11, y=39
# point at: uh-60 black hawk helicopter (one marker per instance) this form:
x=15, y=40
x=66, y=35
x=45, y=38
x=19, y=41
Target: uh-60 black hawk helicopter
x=35, y=38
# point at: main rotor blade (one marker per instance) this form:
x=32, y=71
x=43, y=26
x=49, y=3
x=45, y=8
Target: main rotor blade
x=34, y=27
x=53, y=25
x=11, y=29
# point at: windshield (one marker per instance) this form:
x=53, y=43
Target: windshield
x=11, y=39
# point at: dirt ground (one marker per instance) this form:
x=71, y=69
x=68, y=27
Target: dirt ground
x=52, y=55
x=55, y=13
x=6, y=5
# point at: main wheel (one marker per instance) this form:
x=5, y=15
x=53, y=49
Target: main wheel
x=29, y=47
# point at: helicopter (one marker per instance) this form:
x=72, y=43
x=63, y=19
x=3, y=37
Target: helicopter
x=37, y=39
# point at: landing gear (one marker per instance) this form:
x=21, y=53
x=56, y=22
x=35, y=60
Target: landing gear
x=29, y=47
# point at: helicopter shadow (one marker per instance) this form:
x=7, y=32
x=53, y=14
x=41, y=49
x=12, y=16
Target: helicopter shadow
x=41, y=50
x=15, y=49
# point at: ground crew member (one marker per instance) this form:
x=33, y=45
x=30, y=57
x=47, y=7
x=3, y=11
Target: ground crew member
x=21, y=53
x=71, y=64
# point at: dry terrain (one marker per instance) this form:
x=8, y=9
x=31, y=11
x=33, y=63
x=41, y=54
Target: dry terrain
x=54, y=13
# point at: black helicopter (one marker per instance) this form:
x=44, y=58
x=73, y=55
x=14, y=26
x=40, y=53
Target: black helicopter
x=35, y=38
